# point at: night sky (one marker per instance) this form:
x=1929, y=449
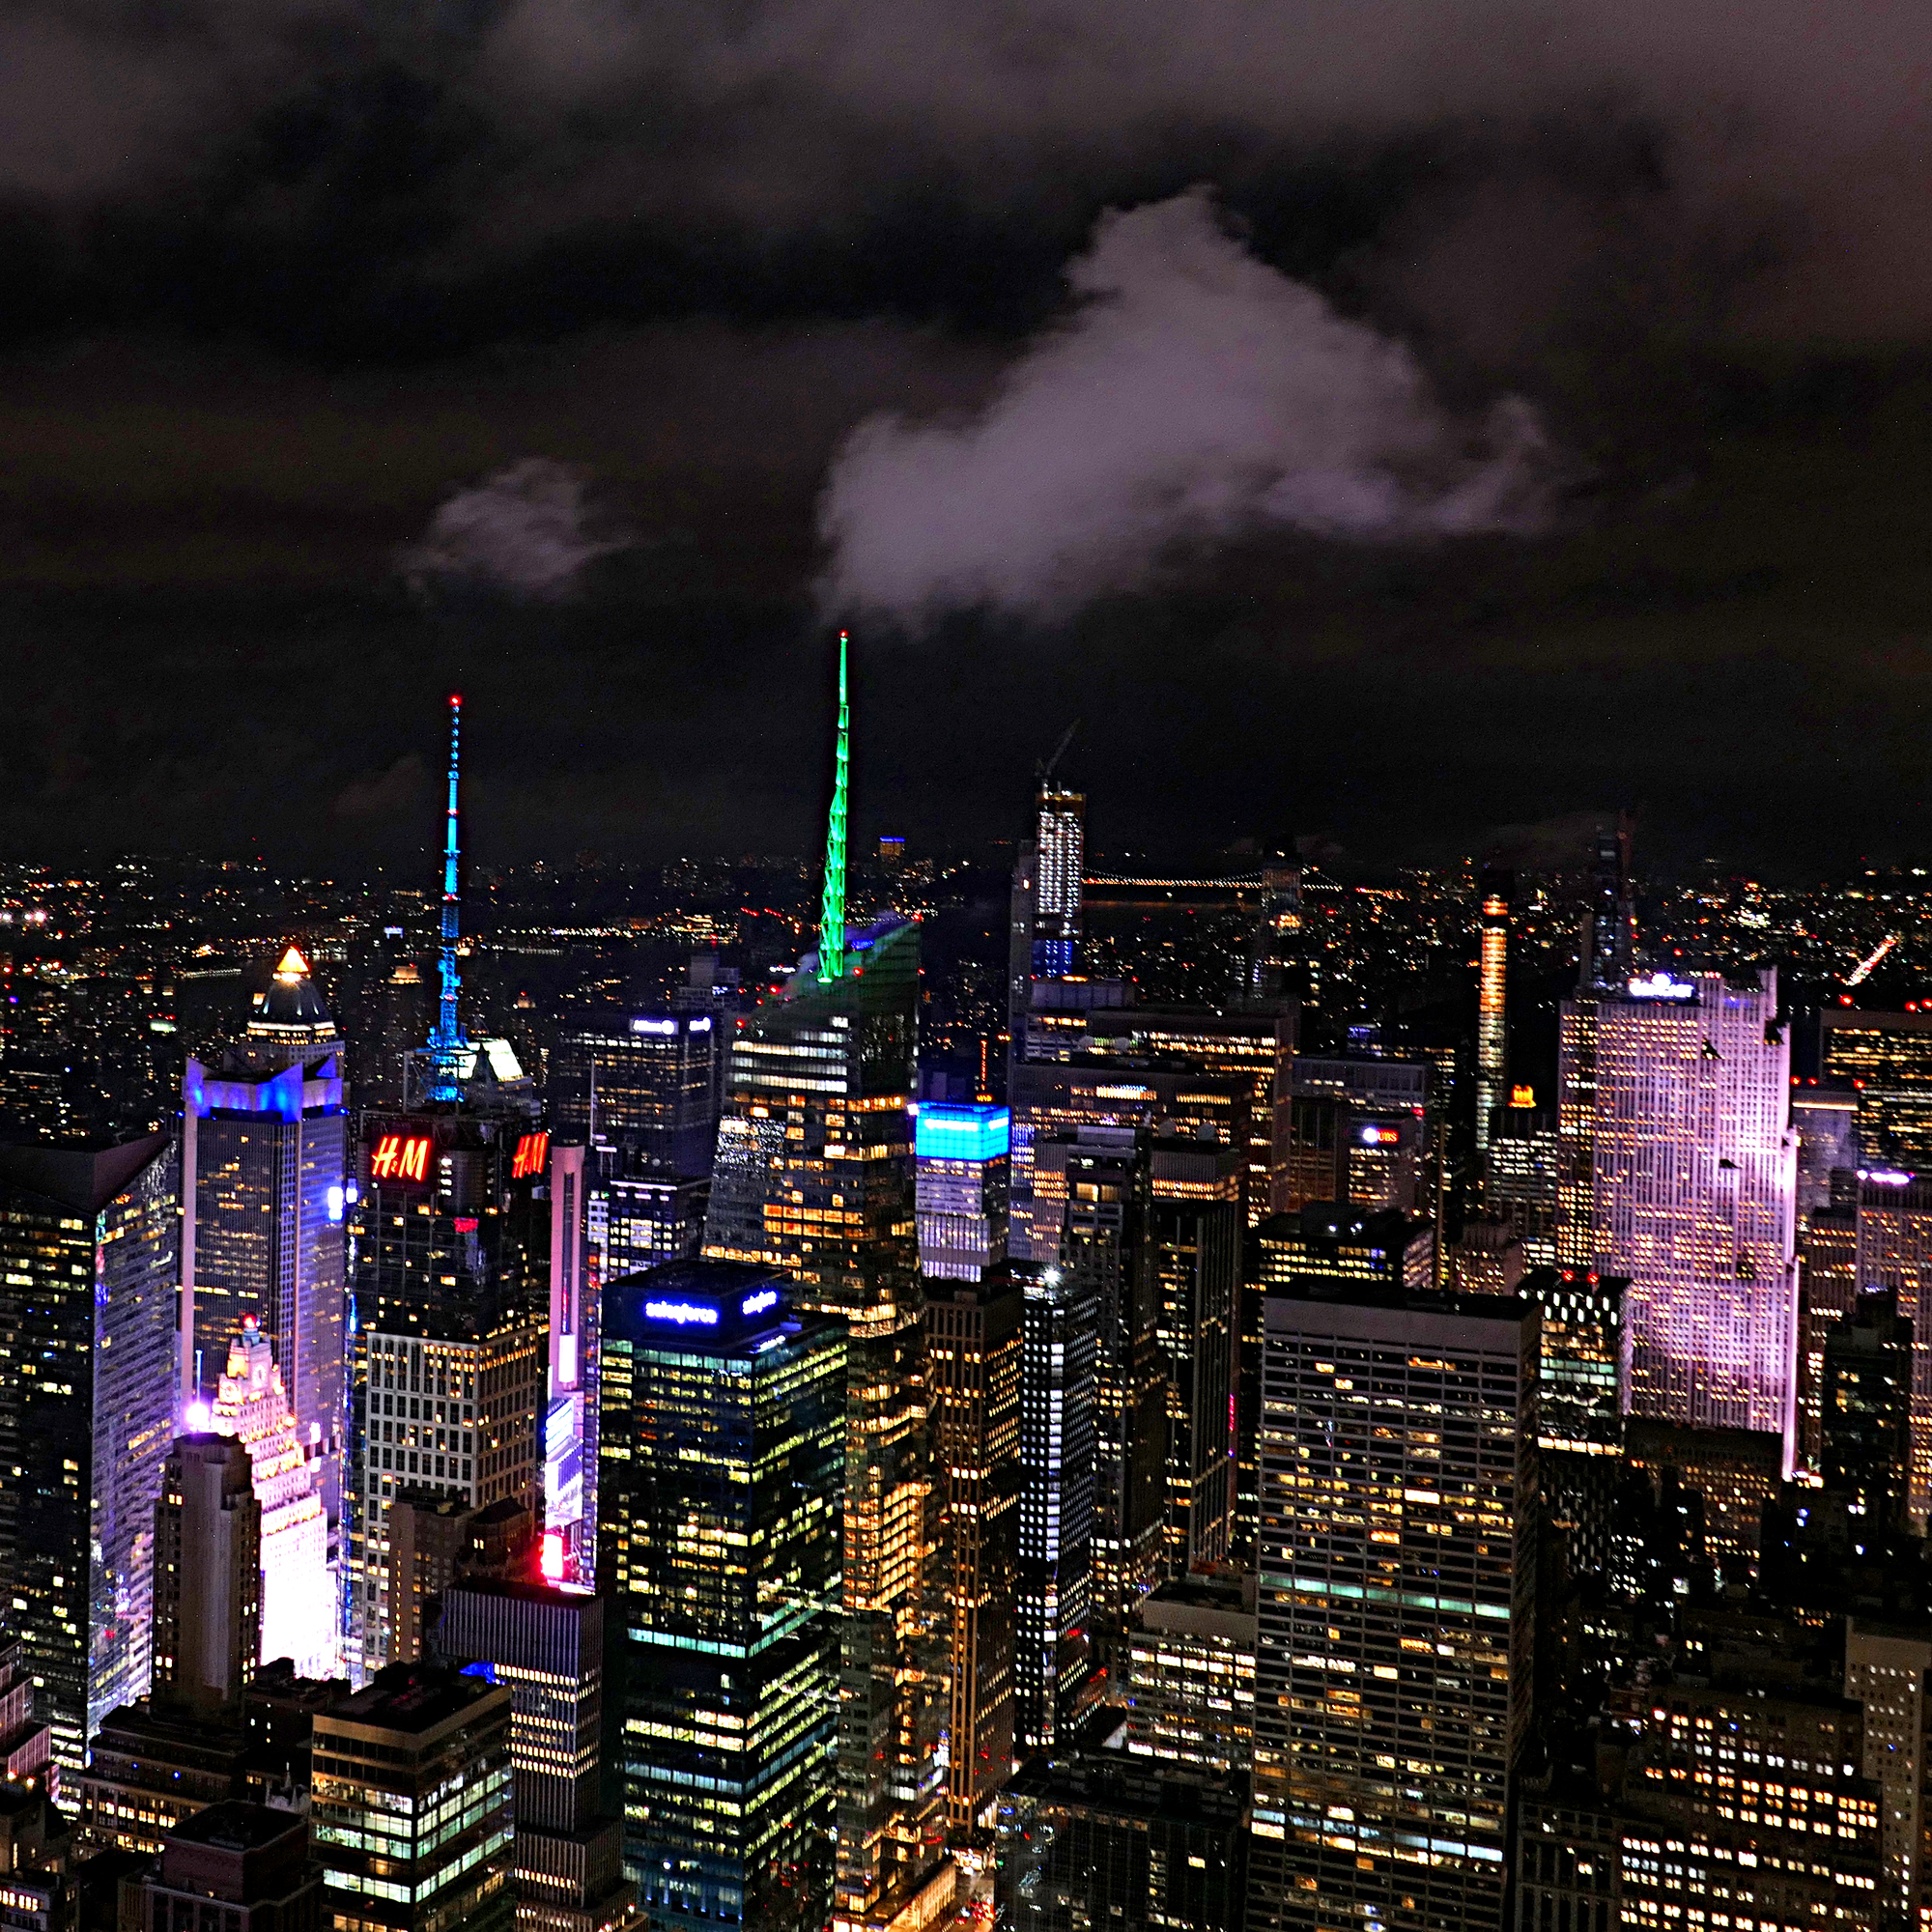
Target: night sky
x=1474, y=419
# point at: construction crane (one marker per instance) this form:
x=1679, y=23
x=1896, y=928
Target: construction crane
x=1043, y=774
x=1863, y=970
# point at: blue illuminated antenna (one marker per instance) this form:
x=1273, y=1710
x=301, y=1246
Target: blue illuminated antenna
x=832, y=904
x=448, y=1049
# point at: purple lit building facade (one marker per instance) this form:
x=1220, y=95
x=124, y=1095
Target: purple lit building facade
x=1692, y=1192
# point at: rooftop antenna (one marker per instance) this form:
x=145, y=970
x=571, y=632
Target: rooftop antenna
x=447, y=1044
x=832, y=904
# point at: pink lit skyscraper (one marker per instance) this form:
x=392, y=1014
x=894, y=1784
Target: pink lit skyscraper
x=1693, y=1195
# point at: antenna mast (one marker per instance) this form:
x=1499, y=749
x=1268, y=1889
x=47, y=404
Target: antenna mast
x=832, y=904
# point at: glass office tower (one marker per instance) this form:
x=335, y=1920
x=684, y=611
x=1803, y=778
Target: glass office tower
x=88, y=1402
x=264, y=1200
x=723, y=1442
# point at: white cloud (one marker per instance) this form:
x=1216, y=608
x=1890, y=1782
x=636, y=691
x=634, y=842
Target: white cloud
x=1193, y=394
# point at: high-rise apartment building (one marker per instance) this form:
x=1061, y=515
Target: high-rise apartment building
x=1494, y=890
x=1894, y=1251
x=1607, y=960
x=961, y=1184
x=1886, y=1060
x=1060, y=843
x=814, y=1176
x=547, y=1646
x=1059, y=1388
x=265, y=1188
x=1693, y=1195
x=1099, y=1181
x=1398, y=1524
x=299, y=1595
x=208, y=1576
x=412, y=1803
x=88, y=1402
x=643, y=1082
x=1195, y=1225
x=973, y=1351
x=723, y=1448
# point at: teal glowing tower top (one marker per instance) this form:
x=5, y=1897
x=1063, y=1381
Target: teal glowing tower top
x=448, y=1049
x=832, y=905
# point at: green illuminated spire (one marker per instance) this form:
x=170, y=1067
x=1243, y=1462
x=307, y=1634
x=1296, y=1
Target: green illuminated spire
x=832, y=906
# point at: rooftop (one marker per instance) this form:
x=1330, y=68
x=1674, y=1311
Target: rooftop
x=409, y=1698
x=236, y=1826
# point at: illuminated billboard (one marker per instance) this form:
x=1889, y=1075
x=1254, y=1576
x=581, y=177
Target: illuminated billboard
x=400, y=1157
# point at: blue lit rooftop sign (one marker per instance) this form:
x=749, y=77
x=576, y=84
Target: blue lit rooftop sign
x=761, y=1303
x=955, y=1130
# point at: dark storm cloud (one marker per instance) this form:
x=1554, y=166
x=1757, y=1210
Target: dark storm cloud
x=346, y=173
x=529, y=530
x=1193, y=395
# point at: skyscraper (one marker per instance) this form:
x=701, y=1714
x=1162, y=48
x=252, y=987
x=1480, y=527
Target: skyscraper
x=88, y=1400
x=1495, y=890
x=1582, y=1375
x=1866, y=1439
x=1392, y=1683
x=1894, y=1251
x=1886, y=1062
x=1061, y=847
x=642, y=1081
x=1195, y=1225
x=973, y=1336
x=264, y=1197
x=1102, y=1091
x=1099, y=1181
x=1191, y=1675
x=1694, y=1190
x=208, y=1577
x=722, y=1437
x=1351, y=1128
x=1320, y=1240
x=448, y=1044
x=814, y=1176
x=1053, y=1660
x=298, y=1594
x=961, y=1184
x=570, y=1410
